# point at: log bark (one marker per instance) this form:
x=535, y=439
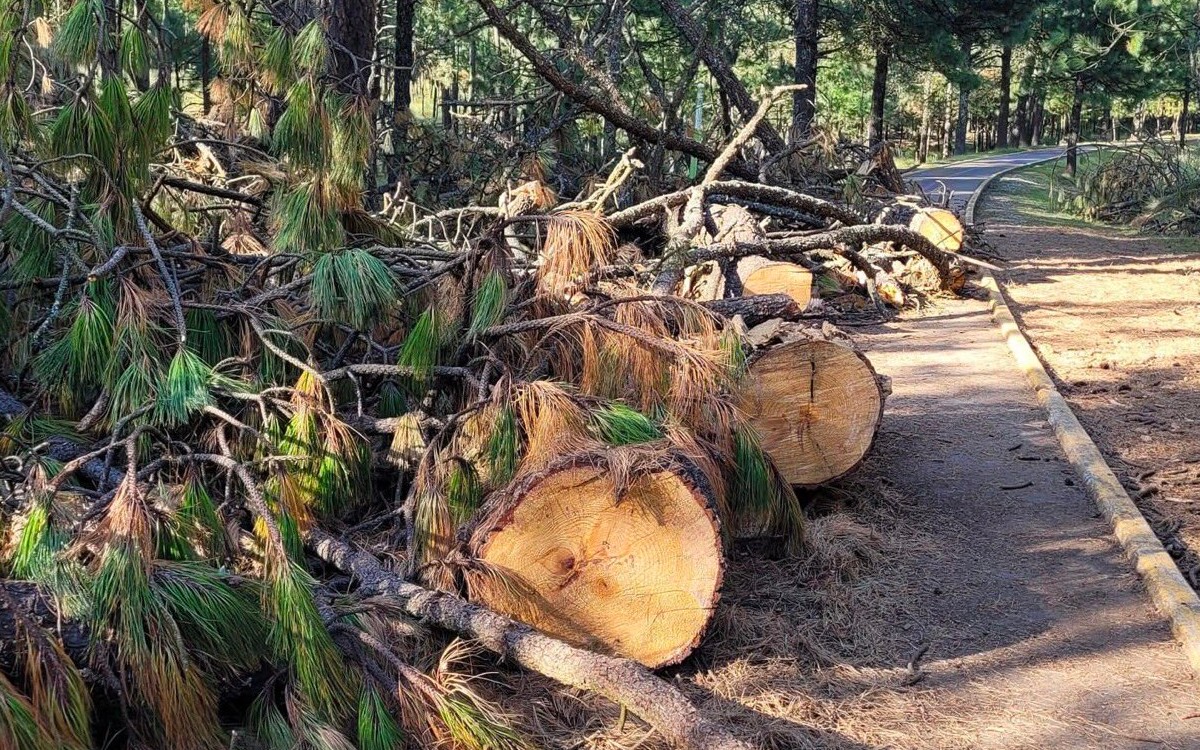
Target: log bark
x=62, y=449
x=737, y=189
x=626, y=565
x=816, y=404
x=622, y=681
x=758, y=308
x=950, y=271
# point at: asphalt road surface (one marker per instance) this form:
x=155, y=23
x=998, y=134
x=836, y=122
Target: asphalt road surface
x=961, y=179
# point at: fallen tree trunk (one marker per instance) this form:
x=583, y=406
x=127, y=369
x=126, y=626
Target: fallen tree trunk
x=622, y=681
x=628, y=565
x=815, y=403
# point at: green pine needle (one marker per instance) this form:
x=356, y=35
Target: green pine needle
x=199, y=520
x=422, y=347
x=19, y=727
x=377, y=730
x=79, y=33
x=185, y=389
x=354, y=287
x=134, y=52
x=218, y=623
x=618, y=425
x=298, y=638
x=311, y=53
x=491, y=301
x=463, y=491
x=504, y=447
x=269, y=726
x=304, y=221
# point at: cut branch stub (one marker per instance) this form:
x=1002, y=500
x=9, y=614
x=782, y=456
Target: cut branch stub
x=816, y=406
x=632, y=571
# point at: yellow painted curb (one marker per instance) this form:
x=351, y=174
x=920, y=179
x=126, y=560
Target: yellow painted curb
x=1170, y=592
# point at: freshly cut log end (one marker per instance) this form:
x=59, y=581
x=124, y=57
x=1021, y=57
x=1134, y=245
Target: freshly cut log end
x=776, y=278
x=940, y=227
x=816, y=406
x=636, y=576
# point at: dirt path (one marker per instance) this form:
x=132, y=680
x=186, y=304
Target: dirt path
x=1114, y=316
x=1039, y=634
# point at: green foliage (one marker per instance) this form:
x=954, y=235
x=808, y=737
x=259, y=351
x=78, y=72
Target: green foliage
x=19, y=727
x=422, y=347
x=185, y=389
x=220, y=625
x=135, y=51
x=305, y=223
x=377, y=730
x=759, y=497
x=463, y=491
x=199, y=522
x=303, y=131
x=504, y=446
x=354, y=287
x=310, y=51
x=299, y=639
x=619, y=424
x=79, y=35
x=490, y=303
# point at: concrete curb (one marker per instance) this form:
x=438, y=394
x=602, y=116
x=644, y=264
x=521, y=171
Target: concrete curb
x=1170, y=592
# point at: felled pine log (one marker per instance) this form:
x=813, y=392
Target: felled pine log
x=621, y=560
x=760, y=275
x=940, y=226
x=622, y=681
x=814, y=399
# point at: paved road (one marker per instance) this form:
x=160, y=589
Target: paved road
x=963, y=178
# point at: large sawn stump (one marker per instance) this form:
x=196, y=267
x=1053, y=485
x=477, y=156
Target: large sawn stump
x=635, y=575
x=815, y=402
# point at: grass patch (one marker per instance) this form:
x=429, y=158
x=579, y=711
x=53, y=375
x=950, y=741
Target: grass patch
x=1027, y=192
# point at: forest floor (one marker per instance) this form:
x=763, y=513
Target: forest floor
x=965, y=539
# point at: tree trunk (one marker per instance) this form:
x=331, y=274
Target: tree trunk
x=1073, y=128
x=1183, y=116
x=820, y=429
x=926, y=121
x=351, y=26
x=1037, y=119
x=805, y=34
x=947, y=122
x=878, y=98
x=622, y=681
x=1005, y=92
x=627, y=563
x=614, y=45
x=406, y=15
x=205, y=75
